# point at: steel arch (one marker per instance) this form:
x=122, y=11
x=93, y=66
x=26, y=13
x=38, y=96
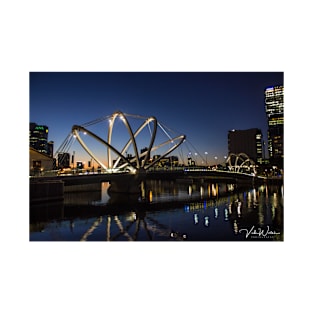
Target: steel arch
x=240, y=157
x=131, y=134
x=146, y=153
x=76, y=129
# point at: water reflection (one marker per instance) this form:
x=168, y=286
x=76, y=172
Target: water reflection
x=131, y=227
x=162, y=211
x=216, y=212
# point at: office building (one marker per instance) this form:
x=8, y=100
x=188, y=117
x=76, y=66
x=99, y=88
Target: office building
x=63, y=160
x=249, y=141
x=38, y=137
x=274, y=108
x=50, y=148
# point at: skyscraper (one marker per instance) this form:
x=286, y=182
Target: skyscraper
x=274, y=108
x=38, y=137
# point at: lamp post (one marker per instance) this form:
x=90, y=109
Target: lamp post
x=215, y=161
x=73, y=160
x=206, y=159
x=189, y=159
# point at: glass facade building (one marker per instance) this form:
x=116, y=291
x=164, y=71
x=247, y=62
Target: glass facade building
x=38, y=137
x=274, y=108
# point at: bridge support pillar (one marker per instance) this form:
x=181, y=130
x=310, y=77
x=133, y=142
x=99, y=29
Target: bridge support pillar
x=126, y=183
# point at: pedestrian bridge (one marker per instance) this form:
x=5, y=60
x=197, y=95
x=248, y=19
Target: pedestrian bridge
x=125, y=165
x=129, y=181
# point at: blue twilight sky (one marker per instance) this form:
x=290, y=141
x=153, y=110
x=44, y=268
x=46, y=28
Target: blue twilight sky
x=202, y=105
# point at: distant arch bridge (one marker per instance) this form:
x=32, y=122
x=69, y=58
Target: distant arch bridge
x=240, y=163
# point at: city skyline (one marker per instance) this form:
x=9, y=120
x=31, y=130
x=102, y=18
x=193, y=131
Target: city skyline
x=202, y=105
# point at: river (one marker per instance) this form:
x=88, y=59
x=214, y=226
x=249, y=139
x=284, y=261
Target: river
x=164, y=211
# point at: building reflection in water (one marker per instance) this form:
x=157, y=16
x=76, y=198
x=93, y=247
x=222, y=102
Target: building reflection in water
x=234, y=210
x=210, y=205
x=156, y=190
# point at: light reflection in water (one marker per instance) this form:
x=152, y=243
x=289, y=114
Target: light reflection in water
x=236, y=227
x=189, y=190
x=196, y=218
x=254, y=195
x=216, y=212
x=258, y=207
x=273, y=212
x=91, y=229
x=275, y=199
x=261, y=216
x=214, y=190
x=226, y=214
x=108, y=227
x=104, y=194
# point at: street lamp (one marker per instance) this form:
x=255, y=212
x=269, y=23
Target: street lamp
x=206, y=158
x=215, y=161
x=73, y=160
x=189, y=159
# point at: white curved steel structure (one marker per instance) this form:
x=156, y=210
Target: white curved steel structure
x=76, y=129
x=238, y=162
x=132, y=138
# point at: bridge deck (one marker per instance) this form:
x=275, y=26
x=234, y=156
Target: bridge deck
x=229, y=177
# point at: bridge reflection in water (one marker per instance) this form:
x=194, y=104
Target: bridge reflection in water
x=164, y=211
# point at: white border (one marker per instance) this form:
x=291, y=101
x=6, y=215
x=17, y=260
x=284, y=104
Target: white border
x=150, y=36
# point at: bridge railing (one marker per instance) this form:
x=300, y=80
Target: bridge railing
x=169, y=169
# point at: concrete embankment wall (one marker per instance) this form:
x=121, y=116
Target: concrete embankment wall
x=42, y=191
